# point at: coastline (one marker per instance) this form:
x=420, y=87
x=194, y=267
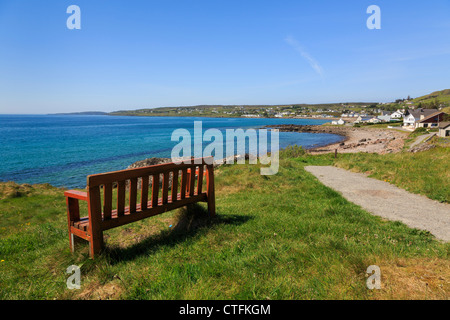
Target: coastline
x=349, y=139
x=371, y=140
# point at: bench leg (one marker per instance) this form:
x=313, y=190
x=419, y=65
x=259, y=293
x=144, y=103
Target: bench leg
x=211, y=207
x=73, y=214
x=210, y=196
x=71, y=242
x=95, y=220
x=96, y=244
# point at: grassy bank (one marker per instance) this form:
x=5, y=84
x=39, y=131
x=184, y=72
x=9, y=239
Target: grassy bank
x=426, y=172
x=275, y=237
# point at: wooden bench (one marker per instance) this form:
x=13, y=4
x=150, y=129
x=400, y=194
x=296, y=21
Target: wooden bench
x=186, y=188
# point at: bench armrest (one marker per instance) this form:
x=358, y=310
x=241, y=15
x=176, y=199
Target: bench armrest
x=74, y=194
x=73, y=208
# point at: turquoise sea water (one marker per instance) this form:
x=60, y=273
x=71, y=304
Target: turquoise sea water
x=63, y=149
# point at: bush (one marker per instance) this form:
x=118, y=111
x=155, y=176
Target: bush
x=417, y=132
x=294, y=151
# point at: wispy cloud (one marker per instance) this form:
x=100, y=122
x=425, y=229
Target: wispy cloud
x=313, y=62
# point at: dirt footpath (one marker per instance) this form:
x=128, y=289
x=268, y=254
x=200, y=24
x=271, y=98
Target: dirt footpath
x=386, y=200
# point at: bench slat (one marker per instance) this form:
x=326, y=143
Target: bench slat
x=133, y=194
x=102, y=178
x=121, y=197
x=192, y=181
x=144, y=192
x=83, y=224
x=155, y=190
x=165, y=187
x=171, y=205
x=107, y=200
x=200, y=179
x=184, y=178
x=174, y=184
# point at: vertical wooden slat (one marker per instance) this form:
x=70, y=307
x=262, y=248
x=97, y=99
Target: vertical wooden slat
x=133, y=194
x=175, y=185
x=73, y=209
x=210, y=194
x=120, y=198
x=184, y=178
x=73, y=215
x=155, y=190
x=192, y=182
x=165, y=187
x=144, y=193
x=107, y=201
x=95, y=220
x=200, y=179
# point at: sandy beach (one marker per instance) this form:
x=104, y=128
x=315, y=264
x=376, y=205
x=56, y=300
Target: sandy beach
x=362, y=139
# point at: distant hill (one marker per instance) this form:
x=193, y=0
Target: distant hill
x=248, y=110
x=84, y=113
x=442, y=96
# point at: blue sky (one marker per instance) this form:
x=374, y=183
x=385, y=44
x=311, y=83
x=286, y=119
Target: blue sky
x=143, y=54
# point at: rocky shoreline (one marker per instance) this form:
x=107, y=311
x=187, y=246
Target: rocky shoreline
x=372, y=140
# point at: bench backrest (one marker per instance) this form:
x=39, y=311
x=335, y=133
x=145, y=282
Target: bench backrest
x=186, y=186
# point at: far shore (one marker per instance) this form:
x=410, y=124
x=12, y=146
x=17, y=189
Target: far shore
x=95, y=113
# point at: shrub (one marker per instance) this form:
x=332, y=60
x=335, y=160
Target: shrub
x=294, y=151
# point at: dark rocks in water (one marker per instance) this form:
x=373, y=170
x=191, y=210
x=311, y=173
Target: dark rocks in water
x=148, y=162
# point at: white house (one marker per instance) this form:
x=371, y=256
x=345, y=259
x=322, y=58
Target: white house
x=397, y=114
x=384, y=118
x=409, y=120
x=412, y=117
x=361, y=119
x=432, y=121
x=374, y=120
x=338, y=122
x=444, y=129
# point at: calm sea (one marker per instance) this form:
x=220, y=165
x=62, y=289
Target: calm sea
x=63, y=149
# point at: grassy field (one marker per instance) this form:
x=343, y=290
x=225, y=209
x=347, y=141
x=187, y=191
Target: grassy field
x=442, y=96
x=426, y=172
x=275, y=237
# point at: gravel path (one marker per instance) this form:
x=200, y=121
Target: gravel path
x=386, y=200
x=420, y=139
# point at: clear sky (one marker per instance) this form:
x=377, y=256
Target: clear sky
x=143, y=54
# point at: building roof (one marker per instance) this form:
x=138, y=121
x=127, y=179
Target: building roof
x=431, y=116
x=384, y=118
x=422, y=112
x=444, y=125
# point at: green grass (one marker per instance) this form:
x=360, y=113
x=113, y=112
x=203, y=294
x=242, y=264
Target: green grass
x=285, y=236
x=442, y=96
x=426, y=172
